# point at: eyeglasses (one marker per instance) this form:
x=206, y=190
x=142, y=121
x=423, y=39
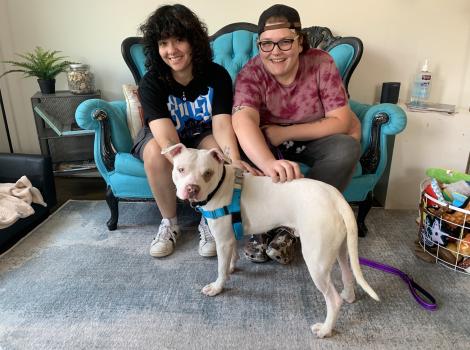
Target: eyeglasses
x=283, y=44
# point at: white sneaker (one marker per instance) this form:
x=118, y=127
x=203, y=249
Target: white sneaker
x=206, y=242
x=164, y=242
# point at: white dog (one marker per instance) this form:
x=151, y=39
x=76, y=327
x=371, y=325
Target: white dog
x=317, y=212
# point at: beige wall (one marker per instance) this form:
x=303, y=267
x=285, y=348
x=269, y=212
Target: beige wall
x=397, y=36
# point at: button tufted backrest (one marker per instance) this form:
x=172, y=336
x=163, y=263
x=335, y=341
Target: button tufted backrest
x=132, y=50
x=346, y=51
x=342, y=55
x=235, y=44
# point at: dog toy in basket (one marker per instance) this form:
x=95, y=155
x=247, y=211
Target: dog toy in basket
x=447, y=176
x=444, y=231
x=455, y=191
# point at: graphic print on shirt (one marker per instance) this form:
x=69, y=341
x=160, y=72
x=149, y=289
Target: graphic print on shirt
x=191, y=117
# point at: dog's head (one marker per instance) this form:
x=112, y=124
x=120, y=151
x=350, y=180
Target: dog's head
x=196, y=173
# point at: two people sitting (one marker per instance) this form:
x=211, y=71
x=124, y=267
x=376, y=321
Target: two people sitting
x=289, y=106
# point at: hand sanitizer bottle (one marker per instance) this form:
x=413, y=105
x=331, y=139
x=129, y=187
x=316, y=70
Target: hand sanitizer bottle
x=421, y=85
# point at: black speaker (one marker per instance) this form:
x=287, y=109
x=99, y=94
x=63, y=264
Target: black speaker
x=390, y=92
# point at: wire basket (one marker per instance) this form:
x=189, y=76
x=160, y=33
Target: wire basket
x=444, y=231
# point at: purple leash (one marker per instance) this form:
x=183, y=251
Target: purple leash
x=425, y=299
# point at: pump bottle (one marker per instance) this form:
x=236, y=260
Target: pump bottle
x=421, y=85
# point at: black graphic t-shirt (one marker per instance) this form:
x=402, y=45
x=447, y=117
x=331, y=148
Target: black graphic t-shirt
x=190, y=107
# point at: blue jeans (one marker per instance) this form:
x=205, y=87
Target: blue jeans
x=331, y=159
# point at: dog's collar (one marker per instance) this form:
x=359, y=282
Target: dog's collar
x=232, y=209
x=209, y=197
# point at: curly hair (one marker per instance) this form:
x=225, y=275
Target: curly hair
x=180, y=22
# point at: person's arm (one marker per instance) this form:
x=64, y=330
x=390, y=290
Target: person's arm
x=222, y=129
x=164, y=133
x=245, y=122
x=356, y=128
x=224, y=136
x=153, y=95
x=338, y=121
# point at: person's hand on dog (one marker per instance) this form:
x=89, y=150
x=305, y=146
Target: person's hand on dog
x=240, y=164
x=282, y=170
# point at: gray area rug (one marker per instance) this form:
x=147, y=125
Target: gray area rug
x=72, y=284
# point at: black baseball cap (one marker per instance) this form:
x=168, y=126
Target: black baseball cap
x=283, y=11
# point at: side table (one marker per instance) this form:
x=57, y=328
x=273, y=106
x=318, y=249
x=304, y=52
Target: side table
x=70, y=147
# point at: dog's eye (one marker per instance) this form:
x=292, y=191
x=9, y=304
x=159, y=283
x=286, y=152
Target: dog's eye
x=207, y=175
x=181, y=170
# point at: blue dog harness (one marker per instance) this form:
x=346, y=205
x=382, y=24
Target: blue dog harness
x=232, y=209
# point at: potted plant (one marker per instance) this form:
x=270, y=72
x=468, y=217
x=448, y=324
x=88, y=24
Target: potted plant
x=43, y=64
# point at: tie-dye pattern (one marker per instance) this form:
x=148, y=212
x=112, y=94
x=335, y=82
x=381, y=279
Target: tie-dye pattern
x=317, y=89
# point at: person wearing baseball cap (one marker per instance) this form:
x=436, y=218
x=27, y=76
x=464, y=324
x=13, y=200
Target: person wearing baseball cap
x=290, y=106
x=288, y=18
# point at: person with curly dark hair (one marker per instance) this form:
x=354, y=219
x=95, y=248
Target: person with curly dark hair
x=185, y=98
x=180, y=22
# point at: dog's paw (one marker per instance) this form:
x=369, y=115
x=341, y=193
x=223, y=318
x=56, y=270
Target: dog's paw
x=211, y=290
x=233, y=262
x=348, y=295
x=231, y=269
x=320, y=330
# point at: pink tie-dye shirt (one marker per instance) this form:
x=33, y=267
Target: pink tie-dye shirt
x=317, y=89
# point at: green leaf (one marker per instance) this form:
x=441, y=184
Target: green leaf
x=40, y=63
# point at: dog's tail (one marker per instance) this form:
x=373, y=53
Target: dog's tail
x=351, y=240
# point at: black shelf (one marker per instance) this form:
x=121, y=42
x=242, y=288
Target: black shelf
x=69, y=146
x=81, y=168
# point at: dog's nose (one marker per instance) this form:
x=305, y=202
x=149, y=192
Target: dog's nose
x=192, y=190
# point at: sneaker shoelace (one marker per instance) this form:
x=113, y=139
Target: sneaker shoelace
x=205, y=233
x=165, y=233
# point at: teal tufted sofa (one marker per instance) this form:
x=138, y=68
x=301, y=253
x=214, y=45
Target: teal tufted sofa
x=232, y=47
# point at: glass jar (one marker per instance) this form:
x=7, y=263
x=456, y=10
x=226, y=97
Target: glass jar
x=80, y=79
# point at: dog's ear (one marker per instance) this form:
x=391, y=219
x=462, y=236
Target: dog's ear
x=174, y=150
x=219, y=156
